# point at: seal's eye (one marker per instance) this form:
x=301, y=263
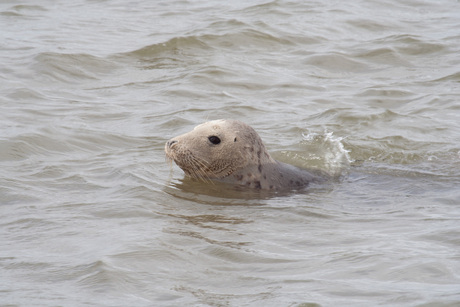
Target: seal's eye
x=214, y=139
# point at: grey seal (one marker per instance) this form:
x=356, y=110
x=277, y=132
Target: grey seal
x=231, y=151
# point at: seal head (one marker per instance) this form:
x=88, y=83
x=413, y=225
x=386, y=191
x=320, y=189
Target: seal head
x=232, y=151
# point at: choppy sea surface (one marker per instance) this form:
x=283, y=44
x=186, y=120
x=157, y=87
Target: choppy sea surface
x=92, y=215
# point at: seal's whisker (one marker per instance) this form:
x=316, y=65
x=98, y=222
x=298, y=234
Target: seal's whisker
x=204, y=175
x=205, y=169
x=199, y=169
x=169, y=160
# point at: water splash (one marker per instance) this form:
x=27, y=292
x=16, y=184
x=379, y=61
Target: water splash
x=329, y=151
x=319, y=151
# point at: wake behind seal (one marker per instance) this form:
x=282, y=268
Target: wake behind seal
x=232, y=151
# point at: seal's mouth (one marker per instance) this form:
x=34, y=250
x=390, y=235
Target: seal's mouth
x=191, y=165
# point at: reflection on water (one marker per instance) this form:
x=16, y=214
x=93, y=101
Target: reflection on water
x=91, y=213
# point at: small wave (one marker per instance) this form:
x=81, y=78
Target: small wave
x=232, y=36
x=172, y=46
x=455, y=77
x=410, y=44
x=70, y=67
x=337, y=62
x=23, y=10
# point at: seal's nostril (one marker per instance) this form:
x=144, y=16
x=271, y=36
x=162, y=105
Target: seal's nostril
x=171, y=143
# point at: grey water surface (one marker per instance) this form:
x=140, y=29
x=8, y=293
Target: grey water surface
x=91, y=214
